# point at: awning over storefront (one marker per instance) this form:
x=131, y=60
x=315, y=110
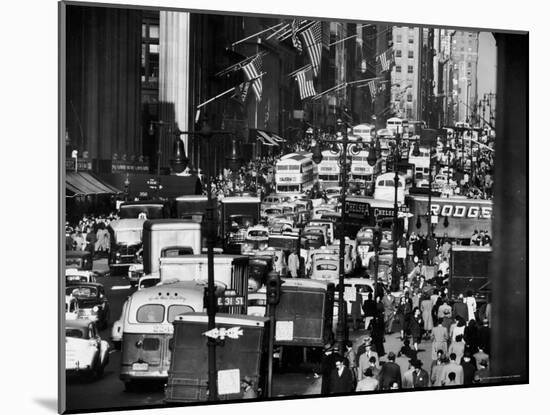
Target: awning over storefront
x=464, y=216
x=82, y=184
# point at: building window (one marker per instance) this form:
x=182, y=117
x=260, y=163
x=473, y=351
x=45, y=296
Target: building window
x=398, y=38
x=411, y=54
x=409, y=69
x=398, y=53
x=150, y=52
x=397, y=68
x=469, y=65
x=411, y=39
x=409, y=98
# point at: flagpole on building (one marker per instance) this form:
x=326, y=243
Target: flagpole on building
x=298, y=70
x=288, y=33
x=257, y=34
x=277, y=31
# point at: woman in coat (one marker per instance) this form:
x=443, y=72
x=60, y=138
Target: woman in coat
x=426, y=308
x=416, y=327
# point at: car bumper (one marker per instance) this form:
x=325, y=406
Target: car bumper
x=143, y=375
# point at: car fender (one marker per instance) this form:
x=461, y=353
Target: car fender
x=104, y=352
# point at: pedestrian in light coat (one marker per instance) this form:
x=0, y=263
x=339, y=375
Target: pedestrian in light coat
x=426, y=308
x=440, y=337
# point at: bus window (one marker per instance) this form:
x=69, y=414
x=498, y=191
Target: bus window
x=175, y=310
x=150, y=313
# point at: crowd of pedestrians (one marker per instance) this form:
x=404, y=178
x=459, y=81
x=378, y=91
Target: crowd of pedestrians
x=456, y=337
x=90, y=234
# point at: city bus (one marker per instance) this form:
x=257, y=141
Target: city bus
x=421, y=162
x=365, y=131
x=396, y=125
x=329, y=170
x=146, y=325
x=362, y=173
x=384, y=188
x=295, y=173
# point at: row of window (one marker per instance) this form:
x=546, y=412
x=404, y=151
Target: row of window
x=410, y=54
x=410, y=68
x=398, y=38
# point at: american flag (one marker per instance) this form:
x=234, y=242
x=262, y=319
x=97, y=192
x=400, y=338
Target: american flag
x=312, y=39
x=252, y=70
x=386, y=59
x=305, y=83
x=241, y=91
x=295, y=40
x=372, y=88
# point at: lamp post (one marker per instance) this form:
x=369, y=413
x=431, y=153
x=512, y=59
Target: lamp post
x=396, y=155
x=206, y=133
x=343, y=145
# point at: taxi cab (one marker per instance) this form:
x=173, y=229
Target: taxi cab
x=85, y=351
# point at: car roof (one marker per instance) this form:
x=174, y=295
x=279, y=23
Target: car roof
x=84, y=284
x=78, y=323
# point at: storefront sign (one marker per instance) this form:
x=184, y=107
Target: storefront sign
x=287, y=179
x=462, y=211
x=383, y=212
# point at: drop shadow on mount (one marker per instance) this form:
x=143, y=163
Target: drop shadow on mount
x=48, y=403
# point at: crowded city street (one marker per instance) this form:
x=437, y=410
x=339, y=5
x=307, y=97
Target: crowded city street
x=307, y=219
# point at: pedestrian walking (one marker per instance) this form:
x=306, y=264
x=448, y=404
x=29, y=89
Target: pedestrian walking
x=390, y=373
x=468, y=368
x=293, y=264
x=416, y=328
x=341, y=380
x=370, y=310
x=471, y=304
x=350, y=360
x=327, y=365
x=438, y=365
x=439, y=337
x=453, y=366
x=471, y=337
x=421, y=379
x=389, y=312
x=460, y=308
x=426, y=308
x=248, y=389
x=457, y=347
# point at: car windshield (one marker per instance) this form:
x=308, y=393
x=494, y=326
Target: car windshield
x=150, y=313
x=82, y=292
x=258, y=234
x=241, y=220
x=128, y=237
x=77, y=333
x=77, y=278
x=326, y=267
x=273, y=211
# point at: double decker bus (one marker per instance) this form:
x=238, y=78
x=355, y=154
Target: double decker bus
x=295, y=173
x=361, y=172
x=329, y=170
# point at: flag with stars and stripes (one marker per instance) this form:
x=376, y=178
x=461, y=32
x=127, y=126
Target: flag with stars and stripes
x=372, y=89
x=312, y=39
x=386, y=59
x=252, y=71
x=295, y=40
x=305, y=83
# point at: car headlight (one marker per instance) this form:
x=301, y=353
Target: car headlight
x=117, y=254
x=95, y=309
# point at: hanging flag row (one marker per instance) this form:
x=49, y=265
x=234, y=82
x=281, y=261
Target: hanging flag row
x=386, y=59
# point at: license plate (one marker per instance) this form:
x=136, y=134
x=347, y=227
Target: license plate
x=140, y=366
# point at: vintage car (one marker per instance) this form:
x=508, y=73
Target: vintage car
x=81, y=260
x=126, y=243
x=312, y=240
x=256, y=237
x=85, y=352
x=271, y=212
x=321, y=209
x=365, y=253
x=318, y=229
x=365, y=235
x=282, y=225
x=147, y=281
x=325, y=269
x=92, y=302
x=75, y=275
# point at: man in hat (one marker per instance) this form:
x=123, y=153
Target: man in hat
x=248, y=390
x=421, y=379
x=368, y=383
x=364, y=359
x=362, y=348
x=327, y=364
x=484, y=335
x=444, y=309
x=391, y=372
x=436, y=376
x=341, y=379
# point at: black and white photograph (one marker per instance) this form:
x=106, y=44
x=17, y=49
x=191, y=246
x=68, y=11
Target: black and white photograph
x=263, y=206
x=243, y=207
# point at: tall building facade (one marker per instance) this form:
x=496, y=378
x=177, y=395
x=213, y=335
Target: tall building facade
x=405, y=79
x=464, y=55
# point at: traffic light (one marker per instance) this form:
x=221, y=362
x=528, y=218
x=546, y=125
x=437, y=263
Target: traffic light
x=273, y=288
